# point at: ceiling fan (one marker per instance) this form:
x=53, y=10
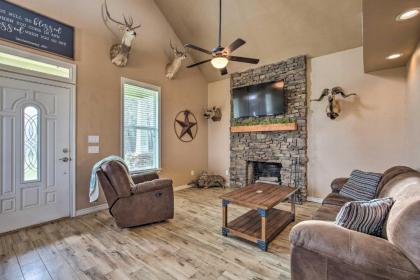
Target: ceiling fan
x=220, y=55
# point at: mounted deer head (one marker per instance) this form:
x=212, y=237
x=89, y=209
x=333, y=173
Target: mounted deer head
x=333, y=109
x=119, y=52
x=173, y=67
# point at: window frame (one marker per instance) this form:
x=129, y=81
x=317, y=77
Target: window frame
x=38, y=58
x=122, y=132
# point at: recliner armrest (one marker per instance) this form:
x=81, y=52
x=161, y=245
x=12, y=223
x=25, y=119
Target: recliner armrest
x=144, y=177
x=153, y=185
x=351, y=247
x=337, y=184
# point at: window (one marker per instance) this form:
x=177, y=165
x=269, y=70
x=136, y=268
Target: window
x=31, y=64
x=141, y=126
x=31, y=144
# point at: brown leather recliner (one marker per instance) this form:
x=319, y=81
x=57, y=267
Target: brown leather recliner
x=136, y=200
x=323, y=250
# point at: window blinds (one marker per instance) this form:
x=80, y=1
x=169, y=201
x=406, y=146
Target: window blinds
x=141, y=127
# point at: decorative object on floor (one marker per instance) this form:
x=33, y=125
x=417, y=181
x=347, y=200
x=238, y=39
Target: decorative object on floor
x=206, y=181
x=220, y=55
x=173, y=67
x=185, y=126
x=261, y=198
x=119, y=52
x=214, y=113
x=361, y=185
x=25, y=27
x=365, y=216
x=135, y=200
x=333, y=108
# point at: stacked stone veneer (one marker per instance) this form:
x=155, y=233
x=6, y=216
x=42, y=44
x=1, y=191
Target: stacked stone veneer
x=283, y=147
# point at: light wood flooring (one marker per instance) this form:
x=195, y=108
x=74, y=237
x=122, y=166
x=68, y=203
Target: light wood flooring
x=189, y=247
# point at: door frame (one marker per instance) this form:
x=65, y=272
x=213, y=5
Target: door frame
x=16, y=74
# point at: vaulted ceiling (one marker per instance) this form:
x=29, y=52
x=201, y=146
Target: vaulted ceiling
x=274, y=29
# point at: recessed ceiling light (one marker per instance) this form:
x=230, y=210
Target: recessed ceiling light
x=394, y=56
x=408, y=14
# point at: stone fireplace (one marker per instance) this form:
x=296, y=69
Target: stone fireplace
x=285, y=149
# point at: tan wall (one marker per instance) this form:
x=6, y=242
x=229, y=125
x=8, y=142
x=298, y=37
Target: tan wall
x=369, y=134
x=218, y=132
x=413, y=112
x=98, y=84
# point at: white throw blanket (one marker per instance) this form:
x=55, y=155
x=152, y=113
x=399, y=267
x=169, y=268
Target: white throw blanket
x=94, y=183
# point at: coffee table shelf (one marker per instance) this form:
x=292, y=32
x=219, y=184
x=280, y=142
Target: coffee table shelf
x=248, y=226
x=263, y=222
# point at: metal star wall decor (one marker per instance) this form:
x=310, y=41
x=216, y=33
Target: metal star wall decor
x=185, y=126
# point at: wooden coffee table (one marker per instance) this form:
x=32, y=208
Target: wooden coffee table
x=263, y=223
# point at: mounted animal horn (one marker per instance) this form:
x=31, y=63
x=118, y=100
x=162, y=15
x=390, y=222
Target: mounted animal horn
x=333, y=108
x=177, y=57
x=119, y=52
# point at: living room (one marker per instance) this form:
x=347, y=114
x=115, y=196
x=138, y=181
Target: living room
x=163, y=139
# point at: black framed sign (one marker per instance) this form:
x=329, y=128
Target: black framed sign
x=25, y=27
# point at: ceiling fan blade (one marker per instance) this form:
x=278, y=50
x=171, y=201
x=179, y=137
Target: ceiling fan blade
x=232, y=47
x=244, y=59
x=223, y=71
x=198, y=63
x=191, y=46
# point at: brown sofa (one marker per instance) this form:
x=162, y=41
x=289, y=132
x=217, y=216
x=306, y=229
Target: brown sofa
x=323, y=250
x=143, y=200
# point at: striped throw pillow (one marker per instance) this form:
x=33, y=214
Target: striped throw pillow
x=361, y=185
x=365, y=216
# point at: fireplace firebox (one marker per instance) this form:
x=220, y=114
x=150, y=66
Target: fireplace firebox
x=264, y=172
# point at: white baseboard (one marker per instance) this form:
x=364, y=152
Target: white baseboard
x=314, y=199
x=92, y=209
x=183, y=187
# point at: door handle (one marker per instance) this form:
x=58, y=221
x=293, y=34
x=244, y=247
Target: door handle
x=65, y=159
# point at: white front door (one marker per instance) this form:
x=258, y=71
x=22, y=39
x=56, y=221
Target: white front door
x=34, y=153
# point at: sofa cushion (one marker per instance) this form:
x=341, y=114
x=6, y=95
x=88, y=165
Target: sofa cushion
x=361, y=185
x=403, y=224
x=390, y=174
x=365, y=216
x=336, y=199
x=326, y=213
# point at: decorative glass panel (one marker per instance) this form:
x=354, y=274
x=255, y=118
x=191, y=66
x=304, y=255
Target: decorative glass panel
x=31, y=144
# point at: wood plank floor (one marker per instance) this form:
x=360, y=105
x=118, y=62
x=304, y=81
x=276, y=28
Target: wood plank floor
x=189, y=247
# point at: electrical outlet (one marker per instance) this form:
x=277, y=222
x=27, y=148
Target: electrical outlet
x=192, y=172
x=227, y=172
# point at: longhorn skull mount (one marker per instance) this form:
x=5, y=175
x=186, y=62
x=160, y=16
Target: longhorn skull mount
x=333, y=108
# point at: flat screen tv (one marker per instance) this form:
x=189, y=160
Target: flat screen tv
x=266, y=99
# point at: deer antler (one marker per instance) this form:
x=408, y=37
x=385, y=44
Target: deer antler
x=339, y=90
x=109, y=15
x=325, y=92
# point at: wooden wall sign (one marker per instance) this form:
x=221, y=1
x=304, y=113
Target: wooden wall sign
x=185, y=126
x=25, y=27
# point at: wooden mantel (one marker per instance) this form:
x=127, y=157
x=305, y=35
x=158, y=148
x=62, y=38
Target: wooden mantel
x=264, y=127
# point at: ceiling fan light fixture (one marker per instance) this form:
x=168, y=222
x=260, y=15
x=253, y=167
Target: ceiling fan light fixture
x=219, y=62
x=394, y=56
x=408, y=14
